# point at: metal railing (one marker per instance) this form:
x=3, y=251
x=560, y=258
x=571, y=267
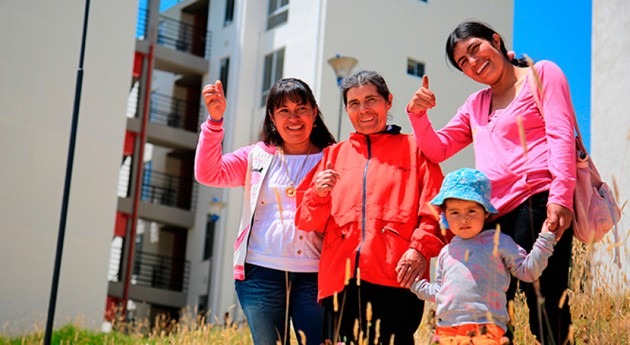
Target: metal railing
x=153, y=270
x=173, y=112
x=176, y=34
x=160, y=272
x=183, y=37
x=169, y=190
x=142, y=23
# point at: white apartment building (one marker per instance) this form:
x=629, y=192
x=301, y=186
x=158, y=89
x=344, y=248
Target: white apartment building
x=610, y=124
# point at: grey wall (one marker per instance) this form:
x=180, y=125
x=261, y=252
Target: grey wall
x=40, y=54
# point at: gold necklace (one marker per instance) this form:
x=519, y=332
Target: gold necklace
x=290, y=190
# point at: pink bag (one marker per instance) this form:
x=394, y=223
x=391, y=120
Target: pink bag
x=595, y=210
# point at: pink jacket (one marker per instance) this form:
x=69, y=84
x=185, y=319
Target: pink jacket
x=547, y=162
x=246, y=167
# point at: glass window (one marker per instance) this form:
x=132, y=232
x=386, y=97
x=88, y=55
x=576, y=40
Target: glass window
x=223, y=73
x=272, y=72
x=415, y=68
x=278, y=13
x=229, y=12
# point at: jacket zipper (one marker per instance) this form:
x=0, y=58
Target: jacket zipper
x=364, y=202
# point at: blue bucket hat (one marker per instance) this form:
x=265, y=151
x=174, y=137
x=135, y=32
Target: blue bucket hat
x=466, y=184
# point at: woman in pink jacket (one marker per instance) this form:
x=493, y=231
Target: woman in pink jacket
x=275, y=264
x=530, y=159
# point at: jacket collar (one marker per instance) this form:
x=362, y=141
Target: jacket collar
x=390, y=129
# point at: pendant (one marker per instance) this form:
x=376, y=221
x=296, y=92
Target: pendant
x=290, y=191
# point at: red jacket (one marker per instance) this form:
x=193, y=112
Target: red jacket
x=377, y=210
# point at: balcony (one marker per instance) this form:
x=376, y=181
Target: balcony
x=155, y=278
x=174, y=112
x=169, y=190
x=183, y=37
x=160, y=272
x=182, y=47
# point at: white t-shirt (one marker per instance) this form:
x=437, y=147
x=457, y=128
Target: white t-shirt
x=274, y=241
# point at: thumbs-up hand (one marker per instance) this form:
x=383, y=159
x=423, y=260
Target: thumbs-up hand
x=214, y=98
x=326, y=180
x=423, y=99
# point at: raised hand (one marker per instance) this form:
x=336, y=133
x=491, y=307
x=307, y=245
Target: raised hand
x=423, y=99
x=326, y=180
x=214, y=98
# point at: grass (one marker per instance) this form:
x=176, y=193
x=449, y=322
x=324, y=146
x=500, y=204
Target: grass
x=599, y=300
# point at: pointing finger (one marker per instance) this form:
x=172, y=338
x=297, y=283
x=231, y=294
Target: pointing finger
x=329, y=165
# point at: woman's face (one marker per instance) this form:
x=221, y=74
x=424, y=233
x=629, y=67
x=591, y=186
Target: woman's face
x=479, y=59
x=367, y=109
x=294, y=122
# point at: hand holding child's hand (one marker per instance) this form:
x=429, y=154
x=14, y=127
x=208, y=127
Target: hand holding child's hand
x=410, y=268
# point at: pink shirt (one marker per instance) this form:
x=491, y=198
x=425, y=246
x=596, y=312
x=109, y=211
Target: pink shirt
x=517, y=171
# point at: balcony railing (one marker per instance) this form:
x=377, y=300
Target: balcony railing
x=152, y=270
x=173, y=112
x=160, y=272
x=176, y=34
x=141, y=24
x=169, y=190
x=183, y=37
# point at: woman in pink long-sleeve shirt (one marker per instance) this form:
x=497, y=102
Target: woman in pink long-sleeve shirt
x=530, y=159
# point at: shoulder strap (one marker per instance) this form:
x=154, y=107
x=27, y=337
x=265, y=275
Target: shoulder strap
x=535, y=85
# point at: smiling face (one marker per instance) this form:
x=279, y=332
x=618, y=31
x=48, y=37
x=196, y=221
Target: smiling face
x=367, y=108
x=480, y=59
x=465, y=218
x=294, y=122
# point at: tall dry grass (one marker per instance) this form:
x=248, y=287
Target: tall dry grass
x=599, y=298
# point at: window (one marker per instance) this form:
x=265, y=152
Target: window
x=229, y=12
x=223, y=73
x=278, y=13
x=272, y=72
x=209, y=243
x=415, y=68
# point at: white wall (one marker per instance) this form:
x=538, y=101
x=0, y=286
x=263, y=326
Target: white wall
x=610, y=123
x=40, y=56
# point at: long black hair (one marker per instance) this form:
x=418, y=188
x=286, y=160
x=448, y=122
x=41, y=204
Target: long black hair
x=467, y=30
x=295, y=90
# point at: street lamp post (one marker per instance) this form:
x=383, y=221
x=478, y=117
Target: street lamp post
x=342, y=65
x=214, y=211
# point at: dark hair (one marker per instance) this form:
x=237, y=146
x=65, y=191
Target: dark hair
x=467, y=30
x=297, y=91
x=364, y=78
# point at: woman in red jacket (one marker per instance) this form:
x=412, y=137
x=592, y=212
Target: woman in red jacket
x=369, y=195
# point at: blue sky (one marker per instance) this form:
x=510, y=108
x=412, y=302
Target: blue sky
x=559, y=30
